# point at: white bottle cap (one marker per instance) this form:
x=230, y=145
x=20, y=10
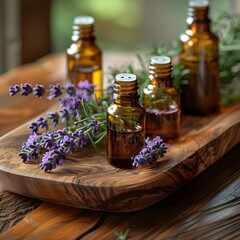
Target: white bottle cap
x=198, y=3
x=160, y=59
x=84, y=20
x=126, y=77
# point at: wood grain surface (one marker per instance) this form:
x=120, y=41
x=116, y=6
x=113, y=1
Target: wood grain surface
x=205, y=208
x=88, y=181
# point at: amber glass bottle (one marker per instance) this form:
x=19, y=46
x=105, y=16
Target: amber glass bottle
x=84, y=58
x=161, y=101
x=125, y=122
x=199, y=54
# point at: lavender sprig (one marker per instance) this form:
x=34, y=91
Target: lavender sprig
x=150, y=153
x=70, y=98
x=57, y=144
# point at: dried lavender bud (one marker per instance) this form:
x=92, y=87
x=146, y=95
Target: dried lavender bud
x=85, y=85
x=149, y=154
x=54, y=118
x=42, y=123
x=70, y=88
x=52, y=159
x=14, y=90
x=48, y=140
x=38, y=90
x=31, y=148
x=85, y=90
x=62, y=132
x=26, y=89
x=67, y=144
x=33, y=127
x=81, y=138
x=64, y=115
x=55, y=91
x=94, y=125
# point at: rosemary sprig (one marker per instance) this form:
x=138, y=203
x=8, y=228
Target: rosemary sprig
x=227, y=27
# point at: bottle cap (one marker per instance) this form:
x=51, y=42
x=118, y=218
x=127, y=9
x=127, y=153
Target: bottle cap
x=84, y=20
x=160, y=59
x=198, y=3
x=126, y=77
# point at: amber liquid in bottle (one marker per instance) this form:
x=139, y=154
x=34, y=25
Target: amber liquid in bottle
x=161, y=101
x=84, y=57
x=199, y=54
x=126, y=121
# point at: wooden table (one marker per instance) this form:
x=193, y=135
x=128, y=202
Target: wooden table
x=206, y=208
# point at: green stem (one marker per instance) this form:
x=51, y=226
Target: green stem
x=92, y=142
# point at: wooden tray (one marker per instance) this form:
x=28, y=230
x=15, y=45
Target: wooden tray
x=88, y=181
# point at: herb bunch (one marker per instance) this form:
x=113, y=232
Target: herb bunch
x=83, y=116
x=227, y=27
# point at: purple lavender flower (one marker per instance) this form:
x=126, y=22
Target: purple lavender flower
x=67, y=144
x=85, y=90
x=26, y=89
x=31, y=148
x=70, y=88
x=38, y=90
x=27, y=155
x=64, y=115
x=70, y=102
x=52, y=159
x=149, y=154
x=62, y=132
x=157, y=144
x=32, y=139
x=94, y=125
x=81, y=138
x=55, y=91
x=42, y=123
x=14, y=90
x=54, y=118
x=86, y=85
x=48, y=140
x=33, y=127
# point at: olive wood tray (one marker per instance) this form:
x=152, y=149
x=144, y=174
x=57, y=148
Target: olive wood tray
x=87, y=181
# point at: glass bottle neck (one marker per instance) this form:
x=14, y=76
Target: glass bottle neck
x=160, y=75
x=83, y=32
x=126, y=93
x=198, y=20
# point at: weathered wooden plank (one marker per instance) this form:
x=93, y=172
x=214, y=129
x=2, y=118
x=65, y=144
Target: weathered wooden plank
x=50, y=221
x=88, y=181
x=13, y=208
